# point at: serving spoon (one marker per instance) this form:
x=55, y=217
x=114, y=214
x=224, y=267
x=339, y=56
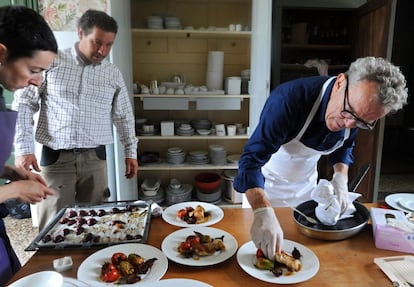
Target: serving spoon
x=308, y=218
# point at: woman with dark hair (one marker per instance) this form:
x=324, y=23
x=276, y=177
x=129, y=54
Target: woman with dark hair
x=27, y=48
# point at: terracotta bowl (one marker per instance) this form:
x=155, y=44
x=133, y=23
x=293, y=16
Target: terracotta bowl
x=207, y=182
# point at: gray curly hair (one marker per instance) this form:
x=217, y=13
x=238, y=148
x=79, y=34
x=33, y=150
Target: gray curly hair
x=392, y=90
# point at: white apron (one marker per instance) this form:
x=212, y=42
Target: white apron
x=291, y=173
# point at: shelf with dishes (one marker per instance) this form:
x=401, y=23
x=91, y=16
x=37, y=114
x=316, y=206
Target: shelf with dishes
x=186, y=166
x=187, y=33
x=192, y=97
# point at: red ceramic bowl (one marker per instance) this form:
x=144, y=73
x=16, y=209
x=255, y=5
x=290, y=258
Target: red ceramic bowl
x=207, y=181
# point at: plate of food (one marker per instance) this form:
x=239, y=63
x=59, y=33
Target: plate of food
x=401, y=201
x=199, y=246
x=110, y=266
x=296, y=263
x=192, y=213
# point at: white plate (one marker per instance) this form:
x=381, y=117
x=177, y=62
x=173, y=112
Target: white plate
x=90, y=268
x=233, y=158
x=178, y=282
x=40, y=279
x=170, y=213
x=310, y=263
x=171, y=242
x=401, y=201
x=72, y=282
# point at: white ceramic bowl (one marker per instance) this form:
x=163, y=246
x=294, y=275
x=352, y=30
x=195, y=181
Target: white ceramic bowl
x=40, y=279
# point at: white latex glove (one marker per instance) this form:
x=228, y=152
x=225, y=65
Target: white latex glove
x=266, y=231
x=340, y=184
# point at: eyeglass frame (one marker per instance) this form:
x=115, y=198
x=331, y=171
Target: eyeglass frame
x=360, y=123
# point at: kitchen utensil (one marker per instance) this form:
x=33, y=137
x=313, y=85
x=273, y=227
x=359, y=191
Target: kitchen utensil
x=344, y=228
x=308, y=218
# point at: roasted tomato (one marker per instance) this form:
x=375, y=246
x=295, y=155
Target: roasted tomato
x=109, y=272
x=193, y=240
x=260, y=254
x=118, y=257
x=182, y=213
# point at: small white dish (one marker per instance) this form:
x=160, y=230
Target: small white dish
x=40, y=279
x=63, y=264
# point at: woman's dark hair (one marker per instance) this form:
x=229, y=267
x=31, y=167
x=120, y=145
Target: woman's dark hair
x=94, y=18
x=23, y=31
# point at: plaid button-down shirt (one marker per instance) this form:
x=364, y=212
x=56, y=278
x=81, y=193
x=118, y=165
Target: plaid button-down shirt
x=78, y=104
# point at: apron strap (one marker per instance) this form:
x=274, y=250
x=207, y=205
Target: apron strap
x=314, y=108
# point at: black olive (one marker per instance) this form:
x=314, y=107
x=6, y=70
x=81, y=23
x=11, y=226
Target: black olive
x=296, y=254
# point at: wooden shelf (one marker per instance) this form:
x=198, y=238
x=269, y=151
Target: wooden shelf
x=190, y=96
x=185, y=166
x=317, y=46
x=301, y=67
x=192, y=33
x=194, y=137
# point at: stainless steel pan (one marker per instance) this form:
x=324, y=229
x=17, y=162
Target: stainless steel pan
x=344, y=228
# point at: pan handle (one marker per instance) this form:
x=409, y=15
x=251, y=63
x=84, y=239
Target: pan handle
x=352, y=187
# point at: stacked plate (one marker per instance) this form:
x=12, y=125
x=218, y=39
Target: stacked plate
x=155, y=22
x=172, y=23
x=218, y=154
x=176, y=155
x=198, y=157
x=201, y=124
x=178, y=192
x=185, y=130
x=150, y=186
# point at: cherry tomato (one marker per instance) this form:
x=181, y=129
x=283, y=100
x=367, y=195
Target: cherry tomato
x=260, y=254
x=193, y=240
x=182, y=213
x=185, y=245
x=118, y=257
x=109, y=272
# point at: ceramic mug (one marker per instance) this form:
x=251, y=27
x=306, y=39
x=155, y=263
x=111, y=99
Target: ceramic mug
x=220, y=130
x=231, y=130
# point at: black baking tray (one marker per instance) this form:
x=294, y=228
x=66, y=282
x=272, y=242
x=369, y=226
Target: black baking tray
x=123, y=222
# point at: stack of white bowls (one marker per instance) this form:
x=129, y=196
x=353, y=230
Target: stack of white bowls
x=178, y=192
x=185, y=130
x=198, y=157
x=176, y=155
x=155, y=22
x=150, y=186
x=214, y=73
x=172, y=23
x=218, y=154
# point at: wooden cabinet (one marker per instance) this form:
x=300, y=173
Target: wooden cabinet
x=160, y=53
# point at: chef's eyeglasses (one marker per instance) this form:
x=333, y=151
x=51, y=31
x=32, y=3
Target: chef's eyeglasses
x=360, y=123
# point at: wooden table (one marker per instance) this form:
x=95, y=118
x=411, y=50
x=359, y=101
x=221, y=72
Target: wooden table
x=348, y=262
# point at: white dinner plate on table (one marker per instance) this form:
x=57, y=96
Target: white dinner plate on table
x=40, y=279
x=401, y=201
x=90, y=268
x=170, y=246
x=170, y=213
x=246, y=257
x=178, y=282
x=72, y=282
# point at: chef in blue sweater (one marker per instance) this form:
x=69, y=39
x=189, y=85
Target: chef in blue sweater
x=303, y=120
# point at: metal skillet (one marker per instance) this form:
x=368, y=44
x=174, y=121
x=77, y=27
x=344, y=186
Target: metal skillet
x=344, y=228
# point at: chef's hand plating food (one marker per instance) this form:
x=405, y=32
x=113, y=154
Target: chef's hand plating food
x=194, y=216
x=199, y=245
x=282, y=264
x=125, y=269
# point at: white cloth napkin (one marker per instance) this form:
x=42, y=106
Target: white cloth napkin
x=328, y=209
x=156, y=209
